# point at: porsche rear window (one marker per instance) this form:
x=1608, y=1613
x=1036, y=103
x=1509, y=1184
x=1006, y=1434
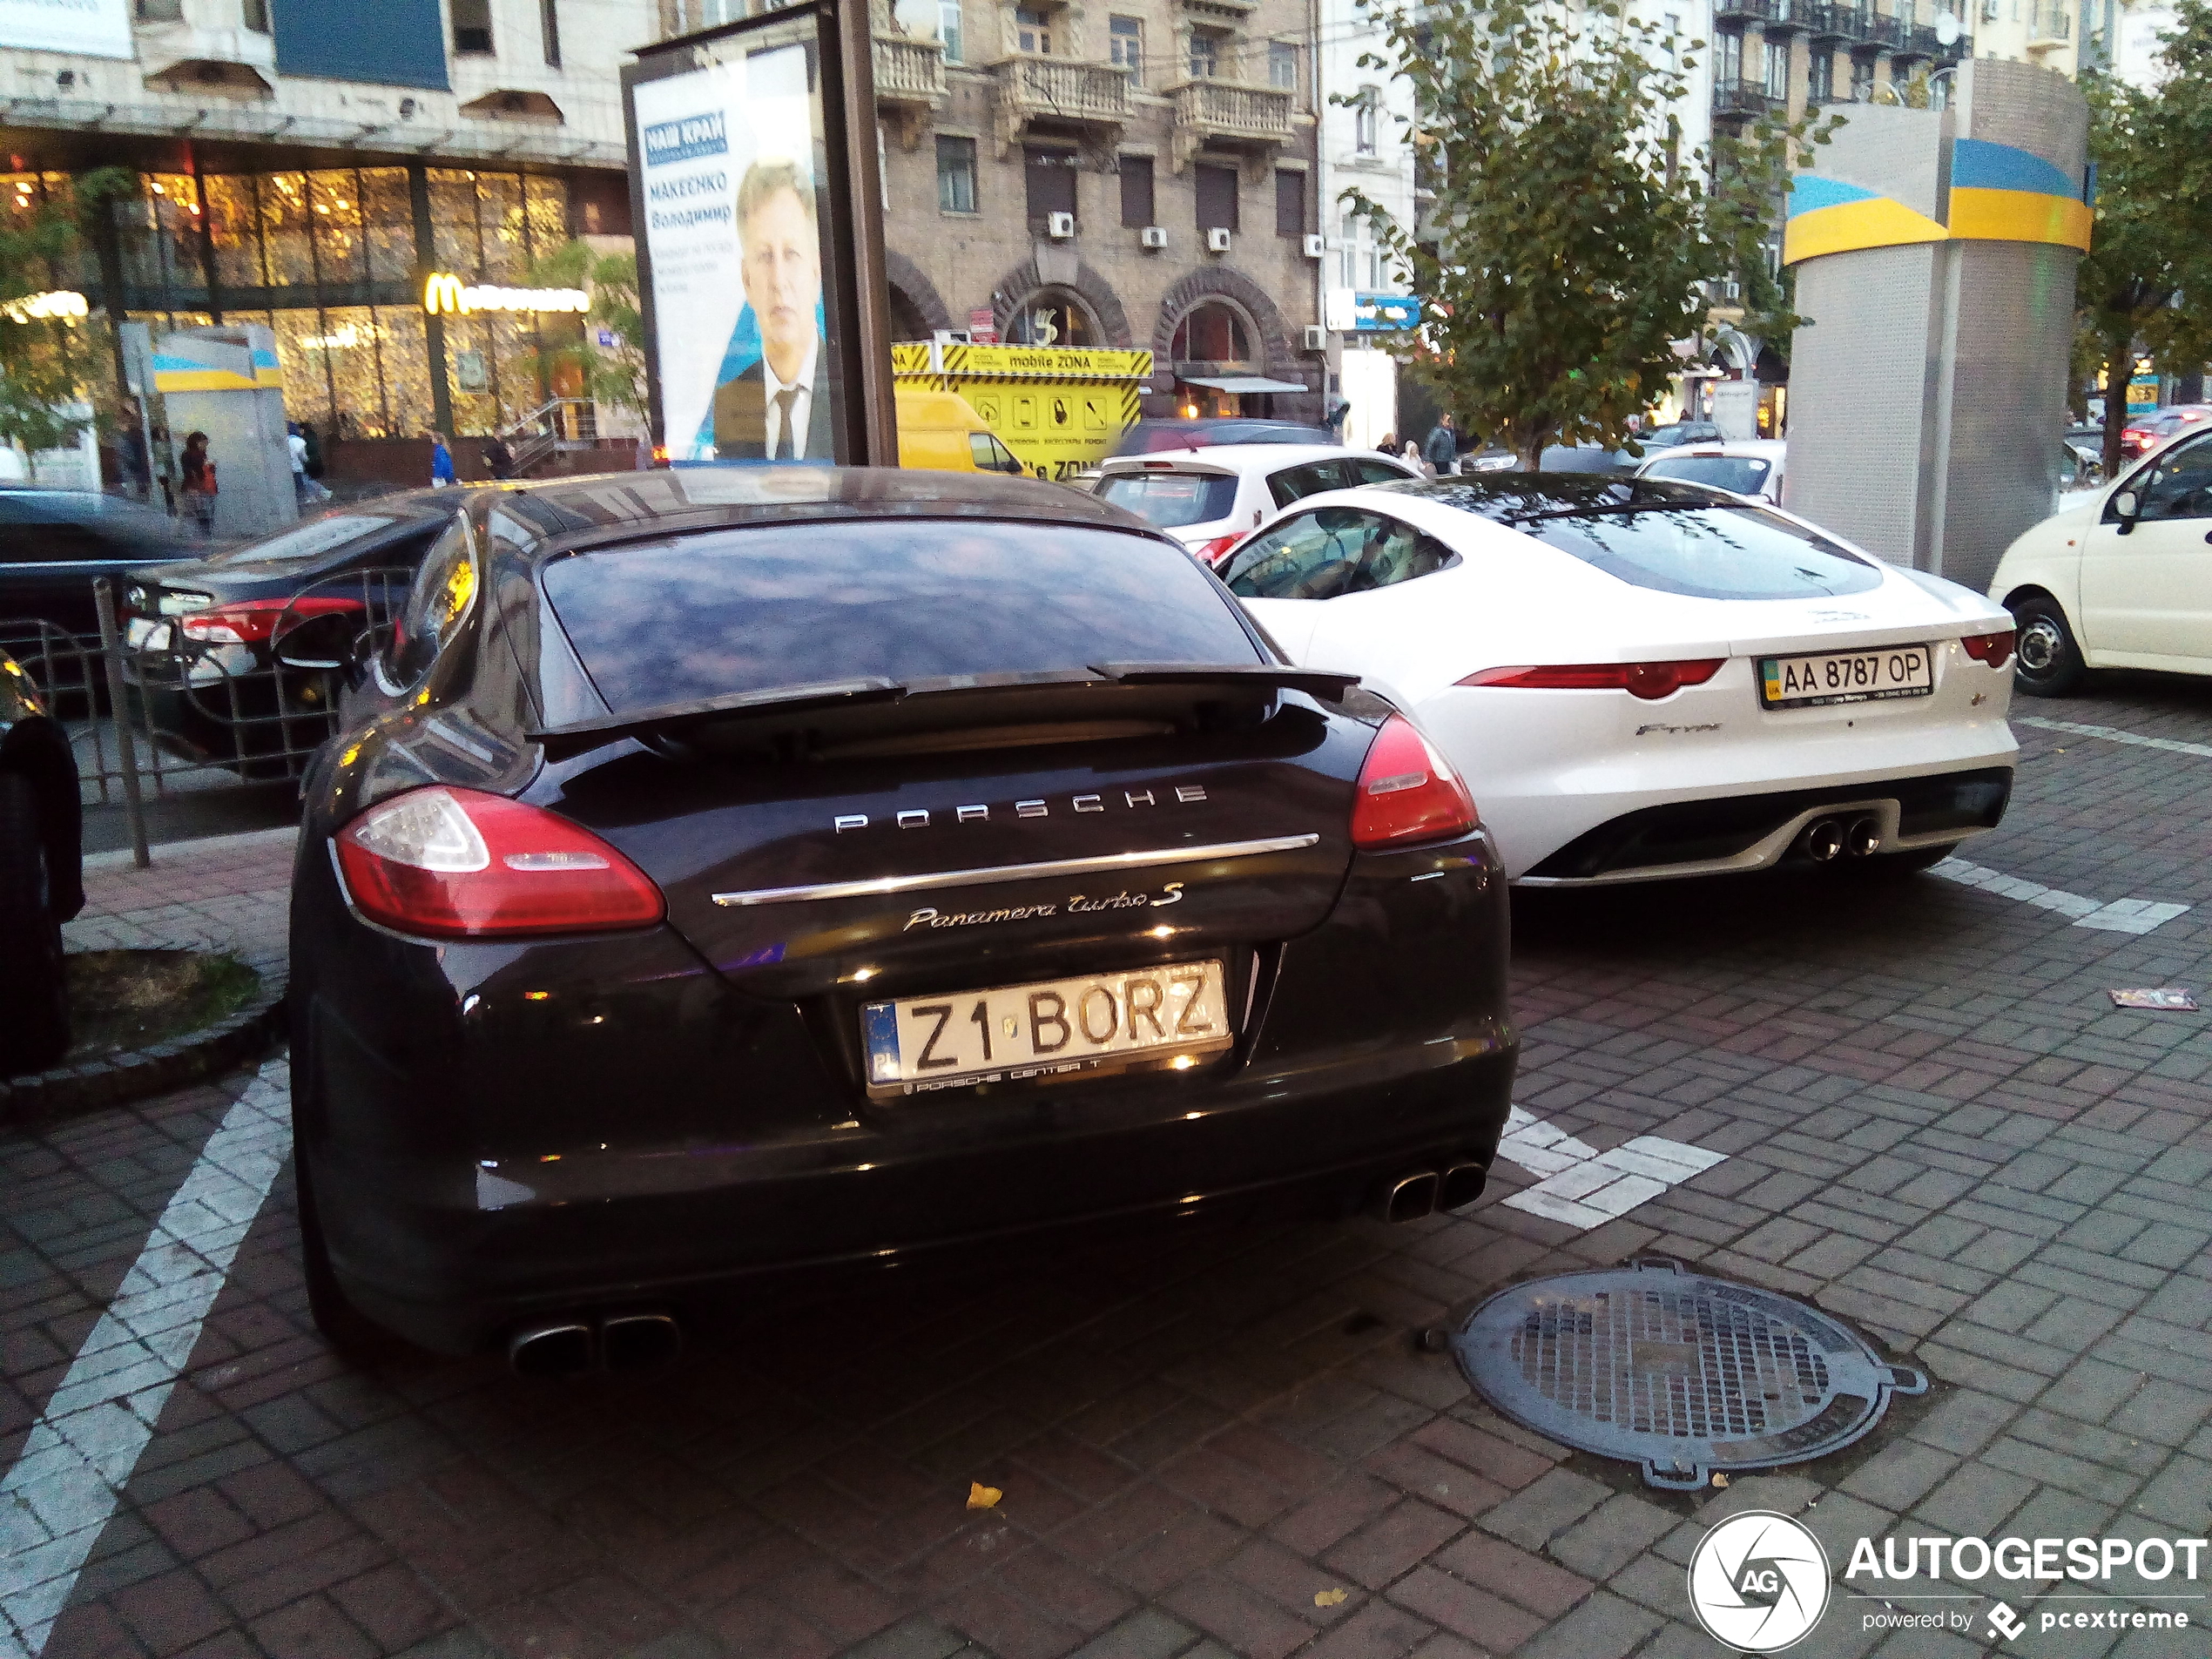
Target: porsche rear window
x=727, y=611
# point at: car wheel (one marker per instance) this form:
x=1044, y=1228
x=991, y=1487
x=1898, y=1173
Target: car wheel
x=36, y=1032
x=2046, y=662
x=343, y=1325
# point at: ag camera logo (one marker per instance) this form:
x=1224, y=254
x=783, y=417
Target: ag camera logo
x=1759, y=1582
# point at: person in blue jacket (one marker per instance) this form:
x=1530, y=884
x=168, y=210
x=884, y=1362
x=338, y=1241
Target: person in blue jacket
x=442, y=470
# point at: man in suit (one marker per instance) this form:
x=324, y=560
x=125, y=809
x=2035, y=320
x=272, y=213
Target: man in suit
x=778, y=409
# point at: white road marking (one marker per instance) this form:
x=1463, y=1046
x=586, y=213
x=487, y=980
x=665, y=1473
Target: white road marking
x=62, y=1489
x=2113, y=734
x=1585, y=1188
x=2120, y=916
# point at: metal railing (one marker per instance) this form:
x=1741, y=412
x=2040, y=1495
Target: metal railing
x=168, y=706
x=548, y=426
x=1746, y=97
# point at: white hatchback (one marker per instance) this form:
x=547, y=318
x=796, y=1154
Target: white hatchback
x=1209, y=499
x=1639, y=678
x=1750, y=467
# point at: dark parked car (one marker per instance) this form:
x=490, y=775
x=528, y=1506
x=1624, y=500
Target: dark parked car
x=837, y=865
x=2145, y=433
x=1148, y=437
x=1675, y=433
x=54, y=543
x=224, y=650
x=42, y=883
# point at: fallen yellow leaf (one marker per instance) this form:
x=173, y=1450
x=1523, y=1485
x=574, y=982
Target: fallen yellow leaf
x=982, y=1497
x=1719, y=1480
x=1329, y=1598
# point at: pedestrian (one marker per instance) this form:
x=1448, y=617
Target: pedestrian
x=315, y=450
x=1412, y=456
x=499, y=457
x=1441, y=451
x=196, y=481
x=131, y=453
x=304, y=488
x=441, y=472
x=1338, y=410
x=1388, y=446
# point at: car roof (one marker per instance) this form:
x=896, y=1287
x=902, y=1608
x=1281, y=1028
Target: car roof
x=1239, y=455
x=1771, y=448
x=609, y=507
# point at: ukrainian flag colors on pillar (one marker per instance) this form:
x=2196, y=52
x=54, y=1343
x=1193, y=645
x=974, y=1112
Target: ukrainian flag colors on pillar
x=1999, y=193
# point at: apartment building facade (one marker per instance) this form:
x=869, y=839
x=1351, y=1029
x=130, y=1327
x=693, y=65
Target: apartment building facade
x=1138, y=173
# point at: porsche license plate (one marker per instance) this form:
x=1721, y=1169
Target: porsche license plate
x=1846, y=676
x=1147, y=1016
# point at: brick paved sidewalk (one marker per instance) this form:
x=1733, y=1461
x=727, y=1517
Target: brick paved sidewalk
x=230, y=889
x=1936, y=1126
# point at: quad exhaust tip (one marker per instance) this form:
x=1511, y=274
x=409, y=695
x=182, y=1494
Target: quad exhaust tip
x=625, y=1342
x=1424, y=1192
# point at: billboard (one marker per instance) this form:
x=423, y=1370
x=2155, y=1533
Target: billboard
x=97, y=28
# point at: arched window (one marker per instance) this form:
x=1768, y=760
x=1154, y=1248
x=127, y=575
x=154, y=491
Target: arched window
x=1053, y=317
x=1213, y=331
x=907, y=321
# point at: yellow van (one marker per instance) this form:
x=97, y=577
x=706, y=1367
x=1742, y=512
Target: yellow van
x=942, y=431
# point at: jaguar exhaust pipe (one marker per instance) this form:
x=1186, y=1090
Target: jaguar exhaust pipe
x=1407, y=1198
x=564, y=1348
x=635, y=1342
x=1461, y=1185
x=1822, y=840
x=1864, y=837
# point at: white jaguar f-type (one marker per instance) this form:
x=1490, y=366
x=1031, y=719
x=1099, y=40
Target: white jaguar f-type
x=1639, y=677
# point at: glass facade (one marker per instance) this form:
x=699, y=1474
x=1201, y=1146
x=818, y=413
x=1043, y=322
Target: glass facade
x=332, y=260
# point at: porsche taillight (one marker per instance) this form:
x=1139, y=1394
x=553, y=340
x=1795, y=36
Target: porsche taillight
x=448, y=863
x=1996, y=649
x=1407, y=793
x=1650, y=681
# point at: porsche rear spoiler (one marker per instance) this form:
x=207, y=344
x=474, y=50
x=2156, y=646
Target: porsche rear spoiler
x=825, y=701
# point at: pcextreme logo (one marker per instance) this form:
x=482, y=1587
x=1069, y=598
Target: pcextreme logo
x=1759, y=1582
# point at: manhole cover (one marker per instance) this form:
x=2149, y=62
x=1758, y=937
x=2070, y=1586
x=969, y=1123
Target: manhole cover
x=1681, y=1373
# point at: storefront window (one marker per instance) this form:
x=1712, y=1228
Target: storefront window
x=452, y=222
x=334, y=200
x=288, y=250
x=233, y=226
x=1213, y=333
x=499, y=212
x=167, y=236
x=1050, y=317
x=546, y=206
x=344, y=355
x=389, y=220
x=403, y=356
x=302, y=350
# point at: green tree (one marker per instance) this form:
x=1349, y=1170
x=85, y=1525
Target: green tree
x=1572, y=232
x=2145, y=284
x=48, y=364
x=613, y=374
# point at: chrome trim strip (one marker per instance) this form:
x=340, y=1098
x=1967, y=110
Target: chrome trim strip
x=890, y=884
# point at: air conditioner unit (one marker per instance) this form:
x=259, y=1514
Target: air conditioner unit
x=1317, y=337
x=1060, y=226
x=1217, y=240
x=1315, y=246
x=1991, y=10
x=1153, y=236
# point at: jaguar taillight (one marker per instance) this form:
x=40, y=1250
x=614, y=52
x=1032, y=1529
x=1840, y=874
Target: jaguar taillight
x=1996, y=649
x=1649, y=681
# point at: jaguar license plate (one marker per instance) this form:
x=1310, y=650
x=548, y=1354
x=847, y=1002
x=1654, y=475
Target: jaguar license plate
x=1846, y=676
x=1165, y=1017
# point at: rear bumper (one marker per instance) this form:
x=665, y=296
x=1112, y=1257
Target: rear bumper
x=486, y=1155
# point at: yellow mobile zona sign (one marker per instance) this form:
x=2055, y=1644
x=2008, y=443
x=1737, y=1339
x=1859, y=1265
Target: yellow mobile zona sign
x=1061, y=409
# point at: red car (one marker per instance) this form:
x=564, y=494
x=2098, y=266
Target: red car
x=2138, y=437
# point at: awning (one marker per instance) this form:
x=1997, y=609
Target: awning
x=1242, y=383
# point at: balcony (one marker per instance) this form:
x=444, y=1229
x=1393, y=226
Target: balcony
x=909, y=83
x=1067, y=91
x=1775, y=14
x=199, y=46
x=1877, y=29
x=1741, y=100
x=1228, y=113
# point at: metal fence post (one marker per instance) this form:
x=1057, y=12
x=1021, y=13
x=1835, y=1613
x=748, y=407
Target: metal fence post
x=118, y=711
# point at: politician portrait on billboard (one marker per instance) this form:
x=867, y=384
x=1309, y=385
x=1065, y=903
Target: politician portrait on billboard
x=730, y=155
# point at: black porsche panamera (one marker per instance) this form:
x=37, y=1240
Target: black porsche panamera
x=724, y=874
